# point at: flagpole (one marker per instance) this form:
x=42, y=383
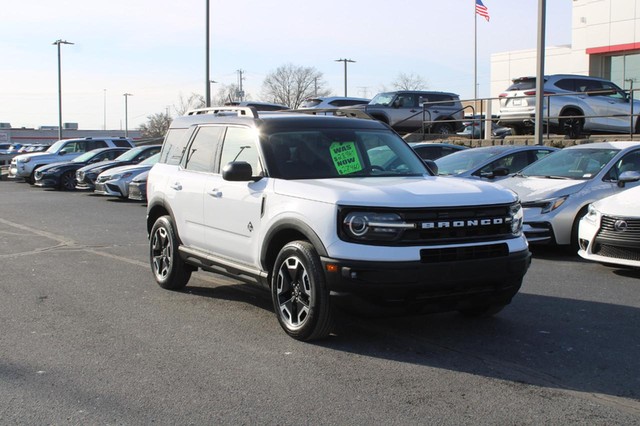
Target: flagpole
x=475, y=57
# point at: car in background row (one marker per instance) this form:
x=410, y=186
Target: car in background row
x=23, y=166
x=258, y=106
x=62, y=175
x=86, y=176
x=138, y=187
x=610, y=231
x=435, y=150
x=475, y=125
x=413, y=110
x=555, y=192
x=115, y=181
x=576, y=103
x=332, y=102
x=491, y=162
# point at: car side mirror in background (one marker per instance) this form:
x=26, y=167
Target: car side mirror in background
x=396, y=103
x=500, y=171
x=627, y=177
x=62, y=152
x=432, y=166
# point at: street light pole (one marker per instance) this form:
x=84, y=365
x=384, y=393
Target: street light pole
x=58, y=43
x=345, y=73
x=126, y=115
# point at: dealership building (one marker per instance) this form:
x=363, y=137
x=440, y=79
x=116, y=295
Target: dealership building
x=605, y=42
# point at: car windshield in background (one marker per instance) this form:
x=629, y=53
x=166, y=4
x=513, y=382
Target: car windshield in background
x=151, y=160
x=84, y=157
x=130, y=154
x=460, y=162
x=582, y=164
x=333, y=153
x=56, y=146
x=382, y=99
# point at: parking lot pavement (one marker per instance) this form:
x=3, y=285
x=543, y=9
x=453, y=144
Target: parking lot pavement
x=88, y=337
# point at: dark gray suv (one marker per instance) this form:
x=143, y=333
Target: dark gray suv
x=412, y=110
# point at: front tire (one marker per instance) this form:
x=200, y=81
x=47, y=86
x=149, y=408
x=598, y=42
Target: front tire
x=168, y=268
x=572, y=126
x=68, y=181
x=299, y=292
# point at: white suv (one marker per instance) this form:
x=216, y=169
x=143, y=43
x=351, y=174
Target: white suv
x=316, y=207
x=24, y=166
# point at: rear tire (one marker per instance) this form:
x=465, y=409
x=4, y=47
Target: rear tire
x=443, y=129
x=168, y=268
x=299, y=292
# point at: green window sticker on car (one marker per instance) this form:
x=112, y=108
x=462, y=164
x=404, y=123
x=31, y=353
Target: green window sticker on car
x=345, y=157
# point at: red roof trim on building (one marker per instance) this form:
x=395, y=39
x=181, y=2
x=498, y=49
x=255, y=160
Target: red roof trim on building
x=612, y=49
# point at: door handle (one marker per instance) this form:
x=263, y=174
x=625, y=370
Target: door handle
x=177, y=186
x=216, y=193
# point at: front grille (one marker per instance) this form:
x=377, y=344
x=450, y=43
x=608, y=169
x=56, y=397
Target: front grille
x=626, y=253
x=450, y=225
x=79, y=176
x=613, y=235
x=455, y=254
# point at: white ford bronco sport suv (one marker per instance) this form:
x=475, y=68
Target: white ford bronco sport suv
x=24, y=166
x=320, y=207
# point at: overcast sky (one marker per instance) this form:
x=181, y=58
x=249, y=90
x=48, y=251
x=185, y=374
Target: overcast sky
x=155, y=49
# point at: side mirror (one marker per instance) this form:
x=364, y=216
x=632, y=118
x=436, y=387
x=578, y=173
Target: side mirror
x=396, y=103
x=500, y=171
x=238, y=171
x=432, y=166
x=627, y=177
x=62, y=152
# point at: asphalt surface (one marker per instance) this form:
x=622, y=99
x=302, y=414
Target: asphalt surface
x=87, y=337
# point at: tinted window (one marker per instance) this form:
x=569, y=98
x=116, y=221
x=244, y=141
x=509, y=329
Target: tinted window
x=441, y=99
x=94, y=144
x=567, y=84
x=173, y=147
x=523, y=84
x=123, y=143
x=202, y=150
x=240, y=145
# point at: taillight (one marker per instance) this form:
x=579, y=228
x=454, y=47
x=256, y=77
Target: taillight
x=503, y=95
x=533, y=92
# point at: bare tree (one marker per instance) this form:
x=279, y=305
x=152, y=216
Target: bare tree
x=291, y=84
x=409, y=82
x=156, y=127
x=228, y=93
x=194, y=101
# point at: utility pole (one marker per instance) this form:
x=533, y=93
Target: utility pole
x=58, y=43
x=345, y=73
x=207, y=93
x=126, y=114
x=240, y=93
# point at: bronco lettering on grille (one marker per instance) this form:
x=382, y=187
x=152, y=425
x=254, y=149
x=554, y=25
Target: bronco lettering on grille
x=463, y=223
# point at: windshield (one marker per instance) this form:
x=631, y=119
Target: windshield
x=581, y=164
x=460, y=162
x=382, y=99
x=331, y=153
x=84, y=157
x=151, y=160
x=129, y=155
x=56, y=147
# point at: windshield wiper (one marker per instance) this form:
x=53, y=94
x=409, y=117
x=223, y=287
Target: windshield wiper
x=558, y=177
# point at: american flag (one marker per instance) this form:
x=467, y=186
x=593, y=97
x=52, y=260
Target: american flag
x=482, y=10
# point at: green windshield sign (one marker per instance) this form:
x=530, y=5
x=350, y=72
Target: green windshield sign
x=345, y=157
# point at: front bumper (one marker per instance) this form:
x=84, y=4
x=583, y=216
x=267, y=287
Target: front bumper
x=47, y=182
x=437, y=284
x=111, y=188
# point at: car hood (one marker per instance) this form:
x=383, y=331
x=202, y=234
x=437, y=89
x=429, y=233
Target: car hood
x=134, y=168
x=623, y=204
x=104, y=165
x=404, y=192
x=34, y=155
x=532, y=188
x=59, y=165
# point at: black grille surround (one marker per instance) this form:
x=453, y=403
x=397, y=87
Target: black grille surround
x=441, y=225
x=612, y=241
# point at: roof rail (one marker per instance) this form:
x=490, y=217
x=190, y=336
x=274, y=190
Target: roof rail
x=226, y=110
x=338, y=112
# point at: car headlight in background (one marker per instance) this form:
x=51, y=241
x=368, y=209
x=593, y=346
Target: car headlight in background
x=548, y=205
x=374, y=226
x=593, y=215
x=120, y=175
x=517, y=218
x=23, y=160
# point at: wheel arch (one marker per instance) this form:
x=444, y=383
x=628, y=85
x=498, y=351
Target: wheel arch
x=283, y=232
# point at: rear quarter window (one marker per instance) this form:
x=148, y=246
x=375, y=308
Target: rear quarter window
x=173, y=147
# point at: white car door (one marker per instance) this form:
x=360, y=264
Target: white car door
x=232, y=210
